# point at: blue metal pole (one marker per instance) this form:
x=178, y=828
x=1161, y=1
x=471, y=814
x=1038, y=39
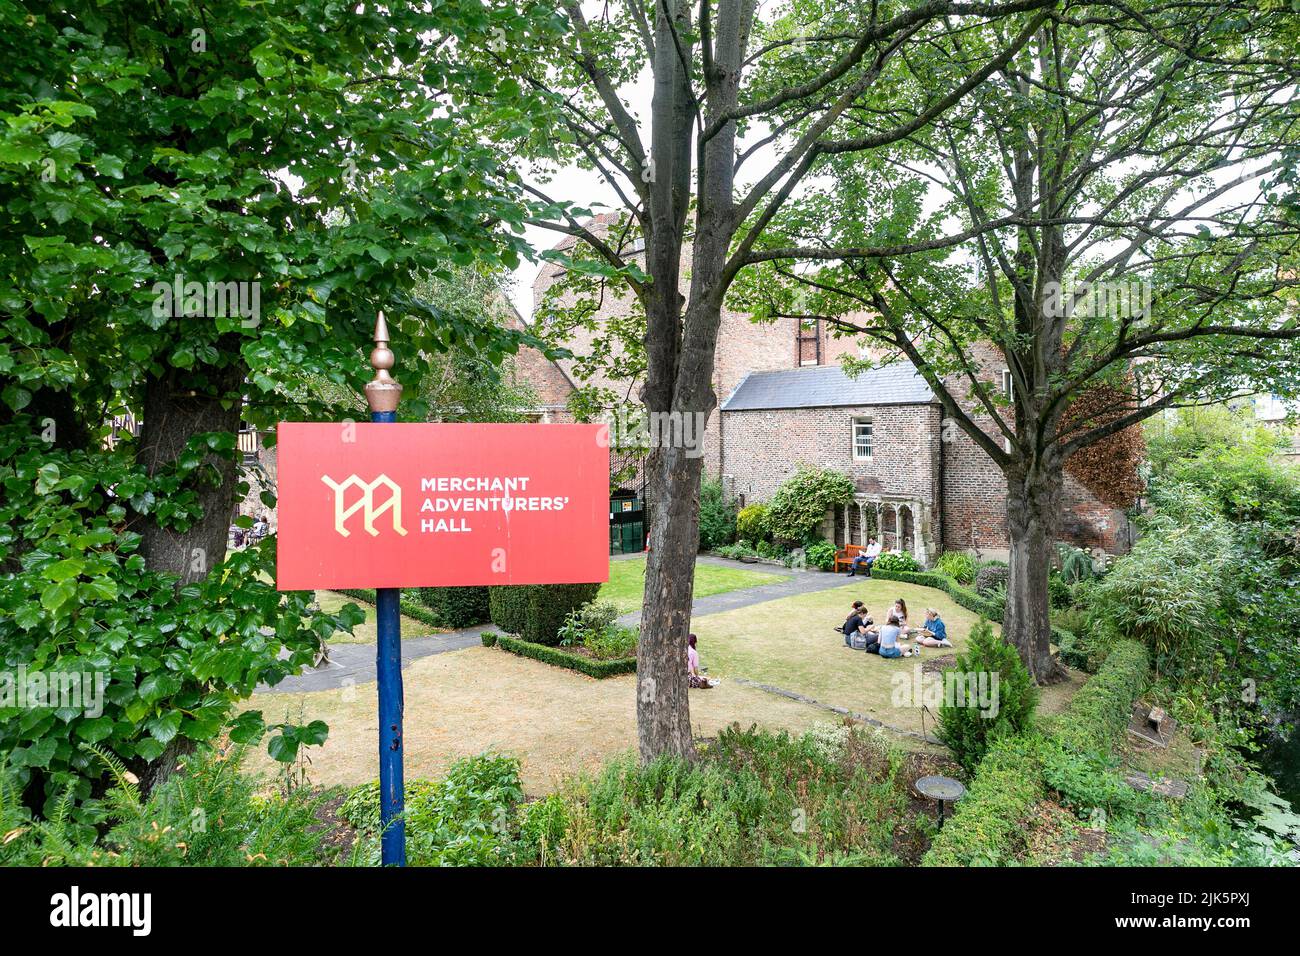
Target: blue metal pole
x=383, y=395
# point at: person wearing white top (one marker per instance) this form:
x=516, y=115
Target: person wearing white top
x=866, y=559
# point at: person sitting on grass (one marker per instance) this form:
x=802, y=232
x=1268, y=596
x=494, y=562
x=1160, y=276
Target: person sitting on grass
x=866, y=559
x=935, y=633
x=889, y=634
x=851, y=623
x=900, y=611
x=693, y=675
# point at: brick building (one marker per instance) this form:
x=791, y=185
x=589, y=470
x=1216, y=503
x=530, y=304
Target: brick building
x=922, y=483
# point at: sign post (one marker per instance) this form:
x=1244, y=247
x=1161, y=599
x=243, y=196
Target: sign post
x=382, y=395
x=429, y=504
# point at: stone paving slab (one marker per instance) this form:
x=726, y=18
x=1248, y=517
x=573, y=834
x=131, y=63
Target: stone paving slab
x=842, y=711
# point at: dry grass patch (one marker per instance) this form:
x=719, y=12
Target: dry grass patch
x=461, y=703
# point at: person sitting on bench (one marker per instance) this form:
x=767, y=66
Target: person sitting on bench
x=866, y=559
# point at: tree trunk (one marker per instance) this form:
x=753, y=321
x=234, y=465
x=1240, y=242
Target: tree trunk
x=177, y=407
x=663, y=716
x=1033, y=502
x=173, y=413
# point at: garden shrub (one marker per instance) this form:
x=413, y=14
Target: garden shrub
x=581, y=621
x=820, y=554
x=559, y=657
x=751, y=523
x=1167, y=591
x=1076, y=564
x=536, y=612
x=542, y=828
x=1059, y=593
x=1088, y=783
x=508, y=607
x=990, y=577
x=895, y=561
x=246, y=824
x=799, y=505
x=461, y=820
x=733, y=806
x=595, y=627
x=717, y=516
x=740, y=549
x=967, y=729
x=457, y=607
x=958, y=565
x=1079, y=647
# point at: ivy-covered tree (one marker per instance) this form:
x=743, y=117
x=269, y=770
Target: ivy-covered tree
x=202, y=206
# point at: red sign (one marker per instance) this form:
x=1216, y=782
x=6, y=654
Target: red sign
x=365, y=505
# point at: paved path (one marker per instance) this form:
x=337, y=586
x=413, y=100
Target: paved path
x=352, y=664
x=794, y=582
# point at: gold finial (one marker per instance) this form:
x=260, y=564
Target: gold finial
x=382, y=392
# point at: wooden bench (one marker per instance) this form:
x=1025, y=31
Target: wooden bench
x=845, y=556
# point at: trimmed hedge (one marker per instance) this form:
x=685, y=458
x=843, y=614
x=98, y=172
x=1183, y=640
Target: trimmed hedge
x=1100, y=711
x=559, y=657
x=1009, y=781
x=457, y=606
x=408, y=607
x=991, y=817
x=536, y=611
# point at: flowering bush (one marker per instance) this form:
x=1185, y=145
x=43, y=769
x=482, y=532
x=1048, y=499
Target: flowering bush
x=895, y=561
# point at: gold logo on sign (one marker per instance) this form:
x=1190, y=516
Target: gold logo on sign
x=366, y=503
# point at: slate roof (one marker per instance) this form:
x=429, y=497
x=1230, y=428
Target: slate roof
x=826, y=386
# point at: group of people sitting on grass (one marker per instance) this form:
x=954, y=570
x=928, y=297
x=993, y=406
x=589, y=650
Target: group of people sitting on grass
x=886, y=639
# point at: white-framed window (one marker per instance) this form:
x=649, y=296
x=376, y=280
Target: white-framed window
x=862, y=439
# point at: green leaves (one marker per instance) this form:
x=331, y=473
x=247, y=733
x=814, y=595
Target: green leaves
x=284, y=748
x=136, y=156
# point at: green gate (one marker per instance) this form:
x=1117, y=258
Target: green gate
x=626, y=525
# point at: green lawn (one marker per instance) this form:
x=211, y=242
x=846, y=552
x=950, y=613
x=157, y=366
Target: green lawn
x=626, y=585
x=790, y=643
